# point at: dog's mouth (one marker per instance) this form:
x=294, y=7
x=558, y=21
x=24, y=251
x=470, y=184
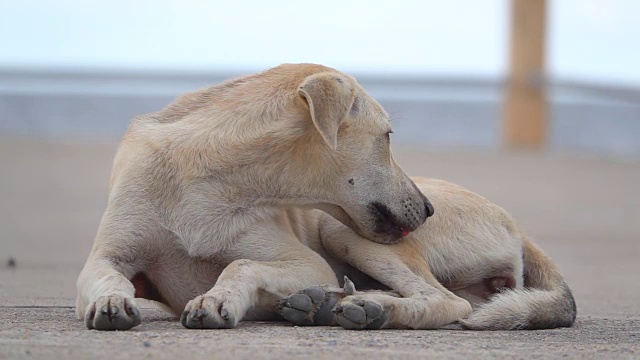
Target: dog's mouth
x=387, y=224
x=379, y=234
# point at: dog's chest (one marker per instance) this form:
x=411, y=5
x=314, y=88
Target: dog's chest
x=204, y=219
x=205, y=234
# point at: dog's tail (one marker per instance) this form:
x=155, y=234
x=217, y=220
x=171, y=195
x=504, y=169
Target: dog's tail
x=545, y=302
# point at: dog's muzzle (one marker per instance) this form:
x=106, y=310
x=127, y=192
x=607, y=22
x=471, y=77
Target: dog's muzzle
x=398, y=225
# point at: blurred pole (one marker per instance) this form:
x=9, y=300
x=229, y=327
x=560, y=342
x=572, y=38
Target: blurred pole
x=525, y=108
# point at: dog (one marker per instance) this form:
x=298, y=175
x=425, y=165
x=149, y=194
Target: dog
x=235, y=201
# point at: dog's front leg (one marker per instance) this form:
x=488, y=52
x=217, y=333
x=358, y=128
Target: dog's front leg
x=425, y=303
x=105, y=296
x=258, y=278
x=105, y=293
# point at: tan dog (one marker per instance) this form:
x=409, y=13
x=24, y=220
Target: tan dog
x=211, y=213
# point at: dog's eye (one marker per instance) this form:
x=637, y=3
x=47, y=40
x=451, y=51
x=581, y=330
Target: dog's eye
x=388, y=135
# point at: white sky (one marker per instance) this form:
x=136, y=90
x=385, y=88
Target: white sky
x=596, y=40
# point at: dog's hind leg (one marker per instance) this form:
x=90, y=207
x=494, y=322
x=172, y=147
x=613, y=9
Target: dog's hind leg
x=425, y=303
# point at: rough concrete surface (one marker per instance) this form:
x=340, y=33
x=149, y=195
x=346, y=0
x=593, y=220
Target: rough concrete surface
x=584, y=212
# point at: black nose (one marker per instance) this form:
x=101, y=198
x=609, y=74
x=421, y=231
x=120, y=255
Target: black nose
x=428, y=208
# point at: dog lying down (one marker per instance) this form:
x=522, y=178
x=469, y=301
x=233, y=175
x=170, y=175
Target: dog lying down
x=237, y=201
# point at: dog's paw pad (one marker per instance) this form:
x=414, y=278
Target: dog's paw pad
x=360, y=314
x=302, y=302
x=297, y=317
x=315, y=293
x=112, y=313
x=311, y=306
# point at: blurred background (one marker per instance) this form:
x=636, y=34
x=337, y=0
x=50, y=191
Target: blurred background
x=534, y=104
x=74, y=68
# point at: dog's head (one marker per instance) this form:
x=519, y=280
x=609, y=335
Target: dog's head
x=362, y=185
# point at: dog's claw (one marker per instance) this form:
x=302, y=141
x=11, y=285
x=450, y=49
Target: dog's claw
x=349, y=287
x=224, y=314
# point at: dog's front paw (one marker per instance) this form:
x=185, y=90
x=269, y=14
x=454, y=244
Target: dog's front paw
x=208, y=312
x=356, y=313
x=112, y=313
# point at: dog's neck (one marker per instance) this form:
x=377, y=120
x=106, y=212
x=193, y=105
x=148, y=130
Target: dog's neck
x=282, y=167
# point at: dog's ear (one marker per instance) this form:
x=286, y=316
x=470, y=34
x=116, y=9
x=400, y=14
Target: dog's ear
x=329, y=97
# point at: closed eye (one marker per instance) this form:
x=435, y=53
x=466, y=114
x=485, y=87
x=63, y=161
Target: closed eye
x=387, y=135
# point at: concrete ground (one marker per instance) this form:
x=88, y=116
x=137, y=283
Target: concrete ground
x=584, y=212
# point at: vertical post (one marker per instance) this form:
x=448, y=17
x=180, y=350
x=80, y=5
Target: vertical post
x=526, y=106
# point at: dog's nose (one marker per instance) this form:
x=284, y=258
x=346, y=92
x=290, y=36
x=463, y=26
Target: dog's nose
x=429, y=210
